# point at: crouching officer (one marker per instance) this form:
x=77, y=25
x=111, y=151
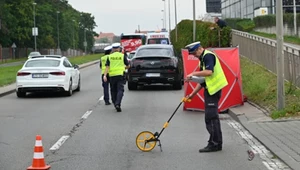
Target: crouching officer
x=115, y=67
x=105, y=84
x=215, y=81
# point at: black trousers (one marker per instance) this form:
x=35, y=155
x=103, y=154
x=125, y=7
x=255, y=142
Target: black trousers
x=117, y=89
x=212, y=120
x=105, y=86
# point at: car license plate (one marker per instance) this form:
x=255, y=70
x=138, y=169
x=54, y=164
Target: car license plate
x=152, y=74
x=40, y=75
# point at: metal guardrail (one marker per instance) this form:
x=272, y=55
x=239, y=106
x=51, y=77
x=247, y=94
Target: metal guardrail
x=263, y=51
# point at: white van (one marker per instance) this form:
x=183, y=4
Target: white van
x=158, y=38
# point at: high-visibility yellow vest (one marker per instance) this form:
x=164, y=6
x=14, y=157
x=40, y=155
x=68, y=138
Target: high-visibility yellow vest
x=217, y=80
x=116, y=67
x=103, y=63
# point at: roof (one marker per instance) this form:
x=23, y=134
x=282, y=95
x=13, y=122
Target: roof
x=156, y=46
x=45, y=56
x=105, y=35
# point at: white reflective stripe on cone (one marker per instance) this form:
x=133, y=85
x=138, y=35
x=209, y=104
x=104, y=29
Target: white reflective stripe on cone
x=38, y=155
x=38, y=143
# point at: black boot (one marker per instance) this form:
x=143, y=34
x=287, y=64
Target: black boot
x=209, y=148
x=118, y=108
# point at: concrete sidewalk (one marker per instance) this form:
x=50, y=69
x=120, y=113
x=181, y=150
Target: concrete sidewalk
x=12, y=87
x=282, y=137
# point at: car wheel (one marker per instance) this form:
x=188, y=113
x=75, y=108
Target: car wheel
x=70, y=91
x=177, y=85
x=132, y=86
x=79, y=84
x=21, y=94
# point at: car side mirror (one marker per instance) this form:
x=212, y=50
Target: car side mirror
x=76, y=66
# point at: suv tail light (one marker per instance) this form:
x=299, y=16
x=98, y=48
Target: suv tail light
x=58, y=73
x=23, y=74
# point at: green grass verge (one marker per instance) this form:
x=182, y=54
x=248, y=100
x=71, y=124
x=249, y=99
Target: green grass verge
x=3, y=61
x=260, y=86
x=8, y=74
x=288, y=39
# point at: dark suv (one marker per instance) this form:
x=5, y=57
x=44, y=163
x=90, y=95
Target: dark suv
x=154, y=64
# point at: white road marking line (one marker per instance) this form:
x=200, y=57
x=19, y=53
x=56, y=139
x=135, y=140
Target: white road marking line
x=86, y=115
x=101, y=98
x=60, y=142
x=257, y=147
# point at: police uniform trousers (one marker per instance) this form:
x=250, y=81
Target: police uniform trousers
x=105, y=86
x=212, y=120
x=117, y=89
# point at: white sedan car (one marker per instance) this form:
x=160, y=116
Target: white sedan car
x=48, y=73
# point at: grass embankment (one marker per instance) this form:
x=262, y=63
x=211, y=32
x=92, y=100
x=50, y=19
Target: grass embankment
x=260, y=86
x=287, y=39
x=8, y=74
x=3, y=61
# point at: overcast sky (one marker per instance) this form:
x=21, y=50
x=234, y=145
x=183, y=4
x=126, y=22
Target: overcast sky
x=124, y=16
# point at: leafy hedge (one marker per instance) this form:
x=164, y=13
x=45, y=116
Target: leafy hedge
x=246, y=25
x=270, y=20
x=207, y=37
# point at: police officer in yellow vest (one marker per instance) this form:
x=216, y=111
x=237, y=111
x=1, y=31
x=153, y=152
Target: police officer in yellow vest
x=215, y=80
x=115, y=67
x=105, y=85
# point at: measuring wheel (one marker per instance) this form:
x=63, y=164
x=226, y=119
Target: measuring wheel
x=145, y=141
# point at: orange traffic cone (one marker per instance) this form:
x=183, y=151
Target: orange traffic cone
x=38, y=162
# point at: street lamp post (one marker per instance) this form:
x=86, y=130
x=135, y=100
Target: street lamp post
x=85, y=43
x=175, y=20
x=194, y=21
x=34, y=28
x=57, y=12
x=295, y=18
x=165, y=17
x=169, y=18
x=280, y=60
x=73, y=35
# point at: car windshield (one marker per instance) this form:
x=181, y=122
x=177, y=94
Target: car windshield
x=154, y=52
x=130, y=56
x=43, y=63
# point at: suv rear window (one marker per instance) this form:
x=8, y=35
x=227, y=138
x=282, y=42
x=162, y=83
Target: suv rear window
x=155, y=52
x=43, y=63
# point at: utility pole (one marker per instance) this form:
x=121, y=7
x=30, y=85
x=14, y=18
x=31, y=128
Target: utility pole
x=175, y=20
x=194, y=21
x=280, y=55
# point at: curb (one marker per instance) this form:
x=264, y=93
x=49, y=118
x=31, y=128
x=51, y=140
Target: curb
x=240, y=118
x=7, y=92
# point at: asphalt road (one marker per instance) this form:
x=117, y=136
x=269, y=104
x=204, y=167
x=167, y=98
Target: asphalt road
x=98, y=137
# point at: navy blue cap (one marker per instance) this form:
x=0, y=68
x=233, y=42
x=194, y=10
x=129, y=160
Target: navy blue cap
x=193, y=47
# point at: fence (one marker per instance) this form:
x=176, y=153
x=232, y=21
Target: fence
x=10, y=53
x=263, y=51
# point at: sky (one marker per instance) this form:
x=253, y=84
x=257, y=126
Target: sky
x=126, y=16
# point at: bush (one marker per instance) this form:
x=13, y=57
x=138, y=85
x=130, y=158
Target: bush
x=204, y=34
x=245, y=25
